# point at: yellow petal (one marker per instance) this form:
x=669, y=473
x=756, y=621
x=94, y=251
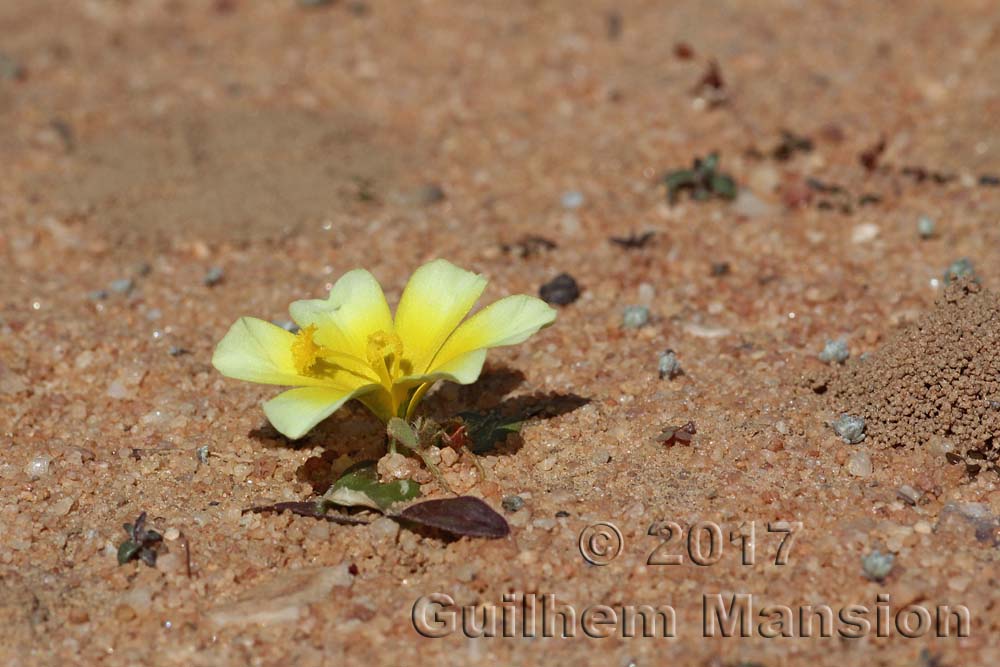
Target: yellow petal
x=355, y=309
x=258, y=351
x=437, y=297
x=296, y=411
x=509, y=321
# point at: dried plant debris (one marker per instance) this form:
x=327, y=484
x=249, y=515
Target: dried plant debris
x=529, y=246
x=791, y=144
x=702, y=181
x=634, y=240
x=561, y=290
x=674, y=435
x=142, y=543
x=711, y=87
x=935, y=384
x=869, y=158
x=921, y=174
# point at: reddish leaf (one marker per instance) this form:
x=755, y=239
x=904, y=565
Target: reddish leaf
x=466, y=516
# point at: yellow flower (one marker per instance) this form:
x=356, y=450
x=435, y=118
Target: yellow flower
x=350, y=347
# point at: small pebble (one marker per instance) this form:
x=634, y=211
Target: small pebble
x=512, y=503
x=213, y=277
x=38, y=467
x=960, y=268
x=908, y=494
x=428, y=194
x=864, y=233
x=122, y=285
x=601, y=456
x=749, y=205
x=176, y=351
x=634, y=317
x=877, y=565
x=925, y=227
x=668, y=365
x=97, y=295
x=860, y=464
x=850, y=428
x=572, y=199
x=561, y=290
x=171, y=534
x=835, y=351
x=202, y=454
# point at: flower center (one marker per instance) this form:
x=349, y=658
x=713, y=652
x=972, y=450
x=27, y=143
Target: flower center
x=385, y=352
x=305, y=351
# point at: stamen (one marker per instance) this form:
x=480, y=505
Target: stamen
x=385, y=352
x=305, y=351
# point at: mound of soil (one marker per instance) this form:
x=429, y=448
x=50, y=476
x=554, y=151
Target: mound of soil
x=936, y=383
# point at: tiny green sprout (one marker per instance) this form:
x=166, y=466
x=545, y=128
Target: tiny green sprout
x=141, y=543
x=702, y=181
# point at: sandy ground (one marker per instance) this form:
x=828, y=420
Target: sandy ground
x=146, y=142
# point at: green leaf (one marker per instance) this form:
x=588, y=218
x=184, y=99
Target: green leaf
x=127, y=551
x=403, y=433
x=676, y=181
x=723, y=186
x=359, y=487
x=487, y=430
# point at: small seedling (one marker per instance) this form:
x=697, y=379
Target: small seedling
x=672, y=435
x=702, y=181
x=142, y=543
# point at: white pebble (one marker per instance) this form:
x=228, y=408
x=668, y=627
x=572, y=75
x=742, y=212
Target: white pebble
x=38, y=467
x=860, y=464
x=864, y=233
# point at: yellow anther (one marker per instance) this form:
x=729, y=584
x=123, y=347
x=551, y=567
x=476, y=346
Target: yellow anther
x=305, y=351
x=385, y=351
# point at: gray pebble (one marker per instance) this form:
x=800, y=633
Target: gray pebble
x=669, y=366
x=835, y=351
x=925, y=227
x=877, y=565
x=850, y=428
x=634, y=317
x=202, y=453
x=960, y=268
x=213, y=277
x=512, y=503
x=572, y=199
x=122, y=285
x=97, y=295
